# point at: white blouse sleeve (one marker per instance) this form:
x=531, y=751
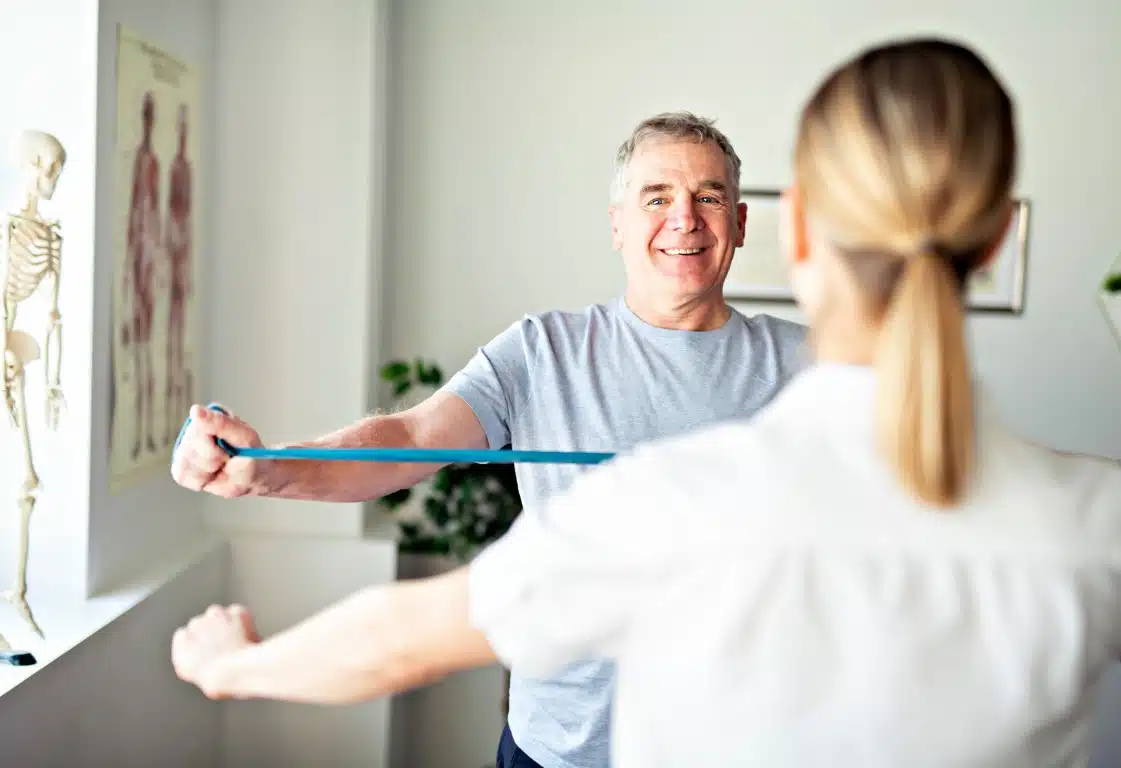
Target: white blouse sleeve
x=565, y=581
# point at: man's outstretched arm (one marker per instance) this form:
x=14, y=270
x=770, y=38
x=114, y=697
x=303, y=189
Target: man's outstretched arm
x=443, y=420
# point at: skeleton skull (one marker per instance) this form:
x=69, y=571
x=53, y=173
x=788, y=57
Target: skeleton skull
x=41, y=157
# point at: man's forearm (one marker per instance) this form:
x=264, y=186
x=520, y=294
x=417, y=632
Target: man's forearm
x=348, y=481
x=441, y=421
x=377, y=642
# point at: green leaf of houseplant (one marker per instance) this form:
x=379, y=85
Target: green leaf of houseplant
x=394, y=370
x=395, y=499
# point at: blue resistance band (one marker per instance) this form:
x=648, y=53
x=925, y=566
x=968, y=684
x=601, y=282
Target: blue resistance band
x=409, y=455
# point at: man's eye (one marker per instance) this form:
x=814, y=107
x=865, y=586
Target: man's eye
x=709, y=199
x=656, y=200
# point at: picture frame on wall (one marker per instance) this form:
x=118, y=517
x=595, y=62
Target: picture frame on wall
x=1000, y=287
x=759, y=272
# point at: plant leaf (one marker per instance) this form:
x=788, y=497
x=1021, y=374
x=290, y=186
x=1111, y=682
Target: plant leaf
x=394, y=369
x=430, y=374
x=396, y=498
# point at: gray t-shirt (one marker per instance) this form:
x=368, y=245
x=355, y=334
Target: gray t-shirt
x=602, y=379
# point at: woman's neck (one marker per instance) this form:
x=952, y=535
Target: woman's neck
x=854, y=345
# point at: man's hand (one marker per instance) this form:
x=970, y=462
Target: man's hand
x=199, y=648
x=199, y=464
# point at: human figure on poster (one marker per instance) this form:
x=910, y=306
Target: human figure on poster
x=142, y=250
x=179, y=253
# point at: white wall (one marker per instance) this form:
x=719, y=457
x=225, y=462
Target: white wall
x=139, y=525
x=294, y=251
x=506, y=116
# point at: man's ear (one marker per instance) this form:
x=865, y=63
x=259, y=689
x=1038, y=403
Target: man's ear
x=991, y=251
x=616, y=235
x=741, y=223
x=794, y=234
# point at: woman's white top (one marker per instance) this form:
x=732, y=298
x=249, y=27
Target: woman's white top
x=773, y=598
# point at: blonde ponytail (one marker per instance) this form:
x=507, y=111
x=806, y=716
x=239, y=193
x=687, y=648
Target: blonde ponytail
x=925, y=400
x=907, y=140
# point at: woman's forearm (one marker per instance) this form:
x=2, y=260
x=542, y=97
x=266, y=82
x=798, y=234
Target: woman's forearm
x=379, y=641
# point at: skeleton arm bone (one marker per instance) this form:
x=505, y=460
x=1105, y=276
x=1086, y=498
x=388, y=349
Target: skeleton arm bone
x=9, y=398
x=6, y=322
x=52, y=354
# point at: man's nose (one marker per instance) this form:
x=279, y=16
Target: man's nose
x=683, y=216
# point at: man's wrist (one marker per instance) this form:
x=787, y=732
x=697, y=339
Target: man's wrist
x=271, y=478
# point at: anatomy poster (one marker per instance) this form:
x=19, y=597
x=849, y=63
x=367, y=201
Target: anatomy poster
x=155, y=305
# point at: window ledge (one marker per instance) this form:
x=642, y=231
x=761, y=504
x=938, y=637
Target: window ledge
x=69, y=623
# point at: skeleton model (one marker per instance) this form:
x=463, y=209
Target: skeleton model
x=33, y=255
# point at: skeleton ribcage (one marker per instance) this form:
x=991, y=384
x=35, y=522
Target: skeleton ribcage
x=34, y=251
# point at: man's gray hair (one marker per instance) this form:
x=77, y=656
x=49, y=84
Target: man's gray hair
x=680, y=126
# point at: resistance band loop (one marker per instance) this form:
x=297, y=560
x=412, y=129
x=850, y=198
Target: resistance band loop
x=410, y=455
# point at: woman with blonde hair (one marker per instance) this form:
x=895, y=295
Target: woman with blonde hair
x=871, y=572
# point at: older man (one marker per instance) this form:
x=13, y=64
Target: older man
x=666, y=356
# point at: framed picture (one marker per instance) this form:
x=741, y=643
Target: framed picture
x=759, y=271
x=1000, y=287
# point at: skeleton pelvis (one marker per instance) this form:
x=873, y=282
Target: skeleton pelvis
x=22, y=348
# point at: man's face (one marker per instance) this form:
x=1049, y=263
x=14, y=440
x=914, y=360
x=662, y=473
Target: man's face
x=676, y=225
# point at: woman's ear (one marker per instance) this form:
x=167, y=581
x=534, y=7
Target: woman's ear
x=795, y=239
